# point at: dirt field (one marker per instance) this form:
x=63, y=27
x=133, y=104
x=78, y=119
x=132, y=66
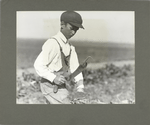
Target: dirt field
x=112, y=83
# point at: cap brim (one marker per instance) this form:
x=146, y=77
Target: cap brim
x=77, y=25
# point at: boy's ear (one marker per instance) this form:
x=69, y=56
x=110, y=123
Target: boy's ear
x=62, y=24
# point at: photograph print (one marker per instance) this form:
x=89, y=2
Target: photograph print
x=75, y=57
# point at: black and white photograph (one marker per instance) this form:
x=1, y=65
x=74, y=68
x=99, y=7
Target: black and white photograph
x=92, y=54
x=75, y=57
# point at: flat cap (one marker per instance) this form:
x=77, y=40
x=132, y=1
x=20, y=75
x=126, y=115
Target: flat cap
x=73, y=18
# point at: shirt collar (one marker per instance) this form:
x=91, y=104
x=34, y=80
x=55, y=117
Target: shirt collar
x=62, y=37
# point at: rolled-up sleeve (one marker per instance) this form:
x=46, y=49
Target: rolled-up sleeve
x=49, y=51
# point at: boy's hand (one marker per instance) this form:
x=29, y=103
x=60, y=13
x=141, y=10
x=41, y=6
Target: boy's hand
x=80, y=90
x=80, y=86
x=59, y=80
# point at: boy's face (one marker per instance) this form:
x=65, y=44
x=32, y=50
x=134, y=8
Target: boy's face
x=68, y=30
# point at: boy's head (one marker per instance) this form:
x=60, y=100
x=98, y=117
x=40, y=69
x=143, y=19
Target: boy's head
x=72, y=18
x=70, y=22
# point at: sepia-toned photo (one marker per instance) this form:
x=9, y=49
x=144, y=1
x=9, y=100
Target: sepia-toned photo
x=75, y=57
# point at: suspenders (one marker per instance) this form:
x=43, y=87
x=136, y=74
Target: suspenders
x=64, y=59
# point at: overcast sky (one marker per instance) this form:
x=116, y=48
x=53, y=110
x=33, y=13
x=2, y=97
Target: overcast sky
x=100, y=26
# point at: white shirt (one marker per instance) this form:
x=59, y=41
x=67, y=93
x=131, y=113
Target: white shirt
x=49, y=60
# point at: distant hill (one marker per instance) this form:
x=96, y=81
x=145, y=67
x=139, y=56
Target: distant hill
x=83, y=43
x=102, y=44
x=28, y=50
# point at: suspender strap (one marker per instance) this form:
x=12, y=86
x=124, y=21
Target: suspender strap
x=65, y=59
x=58, y=44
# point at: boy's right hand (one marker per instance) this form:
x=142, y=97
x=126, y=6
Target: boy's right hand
x=59, y=80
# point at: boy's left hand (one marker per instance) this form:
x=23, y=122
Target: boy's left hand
x=80, y=90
